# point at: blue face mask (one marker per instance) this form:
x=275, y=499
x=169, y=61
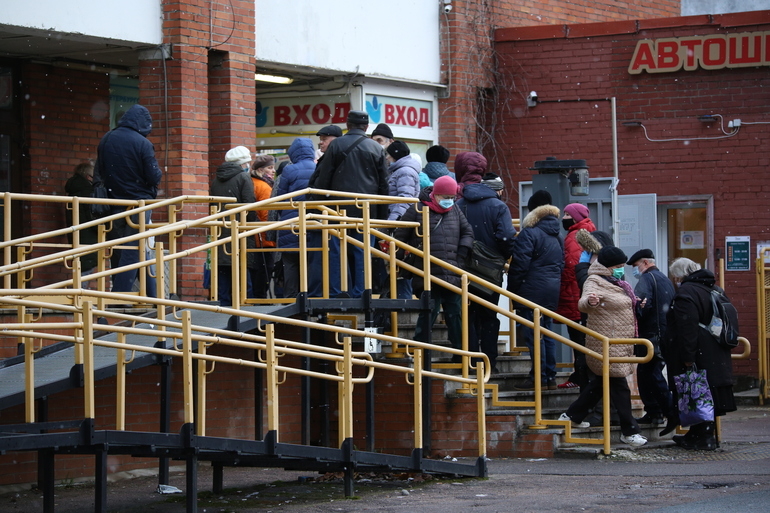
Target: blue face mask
x=446, y=203
x=618, y=273
x=636, y=273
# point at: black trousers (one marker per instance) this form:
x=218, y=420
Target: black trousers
x=620, y=397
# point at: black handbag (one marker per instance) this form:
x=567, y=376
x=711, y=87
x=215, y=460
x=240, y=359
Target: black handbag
x=99, y=210
x=485, y=263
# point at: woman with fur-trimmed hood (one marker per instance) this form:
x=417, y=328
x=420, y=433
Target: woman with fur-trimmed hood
x=535, y=274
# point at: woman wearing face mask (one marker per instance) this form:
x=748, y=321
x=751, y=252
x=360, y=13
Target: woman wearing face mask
x=576, y=217
x=609, y=302
x=451, y=240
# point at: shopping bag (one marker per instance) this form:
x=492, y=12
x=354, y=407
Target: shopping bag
x=695, y=402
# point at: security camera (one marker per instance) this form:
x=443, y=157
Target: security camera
x=532, y=99
x=447, y=8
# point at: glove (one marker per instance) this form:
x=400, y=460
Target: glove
x=585, y=256
x=463, y=252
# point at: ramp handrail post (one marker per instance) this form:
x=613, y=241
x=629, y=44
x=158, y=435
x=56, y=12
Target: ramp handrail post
x=417, y=391
x=271, y=358
x=537, y=380
x=29, y=369
x=88, y=361
x=481, y=408
x=187, y=359
x=7, y=236
x=347, y=386
x=303, y=256
x=606, y=394
x=200, y=410
x=120, y=385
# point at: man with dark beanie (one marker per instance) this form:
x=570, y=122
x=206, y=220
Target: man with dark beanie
x=437, y=157
x=535, y=274
x=383, y=135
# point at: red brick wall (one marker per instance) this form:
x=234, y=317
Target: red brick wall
x=468, y=58
x=592, y=66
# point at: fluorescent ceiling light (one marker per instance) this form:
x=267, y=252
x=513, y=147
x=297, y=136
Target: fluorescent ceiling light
x=273, y=79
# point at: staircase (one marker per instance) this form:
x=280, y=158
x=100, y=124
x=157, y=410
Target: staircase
x=517, y=424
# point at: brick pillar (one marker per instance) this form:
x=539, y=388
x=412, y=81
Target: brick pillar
x=200, y=91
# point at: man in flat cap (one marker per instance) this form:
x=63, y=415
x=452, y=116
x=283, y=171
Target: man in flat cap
x=351, y=163
x=655, y=292
x=327, y=134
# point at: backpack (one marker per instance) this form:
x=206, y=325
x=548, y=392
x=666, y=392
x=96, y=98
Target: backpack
x=724, y=320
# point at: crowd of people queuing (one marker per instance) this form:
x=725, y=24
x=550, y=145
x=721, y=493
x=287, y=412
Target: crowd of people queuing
x=579, y=275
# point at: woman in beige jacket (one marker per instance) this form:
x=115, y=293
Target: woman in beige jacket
x=609, y=302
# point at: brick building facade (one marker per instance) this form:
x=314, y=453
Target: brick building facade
x=576, y=69
x=469, y=57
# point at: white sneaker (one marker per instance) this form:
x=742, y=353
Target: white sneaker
x=583, y=425
x=635, y=440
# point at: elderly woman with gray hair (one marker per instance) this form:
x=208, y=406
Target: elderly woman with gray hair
x=687, y=343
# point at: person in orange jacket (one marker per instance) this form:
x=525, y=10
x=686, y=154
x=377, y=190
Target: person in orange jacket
x=262, y=174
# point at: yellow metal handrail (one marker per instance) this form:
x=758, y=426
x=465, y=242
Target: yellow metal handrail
x=273, y=347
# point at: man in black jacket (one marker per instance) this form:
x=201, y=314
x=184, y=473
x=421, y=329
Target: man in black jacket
x=352, y=163
x=126, y=162
x=655, y=292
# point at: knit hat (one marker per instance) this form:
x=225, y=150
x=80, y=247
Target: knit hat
x=240, y=155
x=262, y=161
x=384, y=130
x=332, y=130
x=398, y=149
x=610, y=256
x=437, y=154
x=578, y=211
x=444, y=185
x=538, y=199
x=493, y=181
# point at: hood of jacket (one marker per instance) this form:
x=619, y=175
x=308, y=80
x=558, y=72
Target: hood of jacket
x=593, y=242
x=137, y=118
x=470, y=167
x=435, y=170
x=301, y=149
x=405, y=162
x=702, y=276
x=228, y=170
x=599, y=270
x=544, y=216
x=477, y=192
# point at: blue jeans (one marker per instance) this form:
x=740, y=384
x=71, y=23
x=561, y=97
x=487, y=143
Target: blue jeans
x=124, y=282
x=225, y=285
x=547, y=347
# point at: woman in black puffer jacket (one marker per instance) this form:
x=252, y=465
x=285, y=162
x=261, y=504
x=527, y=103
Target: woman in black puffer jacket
x=687, y=343
x=451, y=240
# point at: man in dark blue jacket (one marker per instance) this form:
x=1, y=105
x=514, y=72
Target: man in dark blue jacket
x=126, y=163
x=655, y=292
x=493, y=226
x=535, y=275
